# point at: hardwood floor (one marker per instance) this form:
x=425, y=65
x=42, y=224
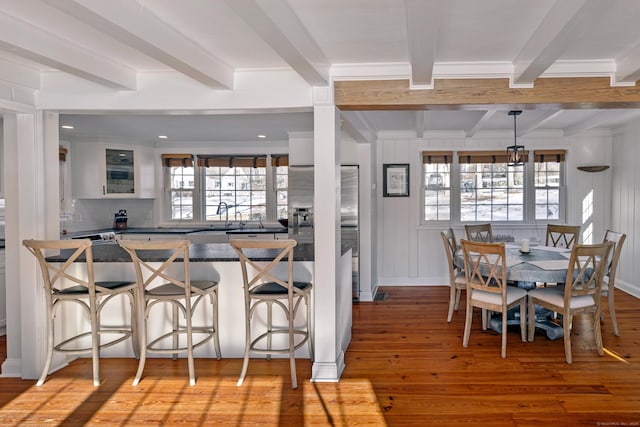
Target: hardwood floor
x=405, y=366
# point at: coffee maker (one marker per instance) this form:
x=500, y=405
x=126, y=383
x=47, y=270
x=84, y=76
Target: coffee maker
x=120, y=220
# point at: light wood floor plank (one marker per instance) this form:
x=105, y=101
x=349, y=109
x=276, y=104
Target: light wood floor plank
x=405, y=366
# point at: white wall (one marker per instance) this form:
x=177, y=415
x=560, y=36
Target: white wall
x=410, y=253
x=625, y=205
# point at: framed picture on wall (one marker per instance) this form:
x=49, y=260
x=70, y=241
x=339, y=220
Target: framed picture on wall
x=395, y=180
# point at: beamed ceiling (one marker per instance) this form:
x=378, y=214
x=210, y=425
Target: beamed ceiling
x=428, y=50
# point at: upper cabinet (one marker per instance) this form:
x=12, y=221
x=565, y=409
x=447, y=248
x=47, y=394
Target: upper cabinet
x=112, y=171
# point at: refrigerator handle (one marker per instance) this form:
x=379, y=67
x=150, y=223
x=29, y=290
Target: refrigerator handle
x=296, y=223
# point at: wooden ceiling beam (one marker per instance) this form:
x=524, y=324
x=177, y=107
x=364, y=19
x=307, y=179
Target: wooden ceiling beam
x=483, y=94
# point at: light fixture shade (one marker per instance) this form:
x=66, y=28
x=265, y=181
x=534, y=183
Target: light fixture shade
x=515, y=152
x=515, y=155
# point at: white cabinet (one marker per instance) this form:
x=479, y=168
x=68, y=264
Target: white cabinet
x=153, y=236
x=112, y=171
x=208, y=237
x=258, y=236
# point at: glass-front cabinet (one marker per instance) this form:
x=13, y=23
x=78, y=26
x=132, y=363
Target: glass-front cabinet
x=120, y=174
x=112, y=171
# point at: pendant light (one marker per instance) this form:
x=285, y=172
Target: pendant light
x=515, y=152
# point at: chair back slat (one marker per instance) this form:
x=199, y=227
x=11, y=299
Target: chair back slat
x=562, y=236
x=55, y=274
x=259, y=272
x=171, y=250
x=618, y=241
x=479, y=233
x=586, y=270
x=485, y=266
x=450, y=247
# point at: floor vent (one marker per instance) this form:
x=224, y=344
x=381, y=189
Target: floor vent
x=380, y=296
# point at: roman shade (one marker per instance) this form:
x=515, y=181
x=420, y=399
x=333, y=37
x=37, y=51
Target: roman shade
x=549, y=155
x=431, y=157
x=279, y=160
x=487, y=156
x=177, y=160
x=232, y=161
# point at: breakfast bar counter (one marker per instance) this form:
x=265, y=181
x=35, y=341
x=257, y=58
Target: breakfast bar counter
x=202, y=252
x=218, y=262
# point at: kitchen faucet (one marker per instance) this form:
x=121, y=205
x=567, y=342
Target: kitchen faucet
x=226, y=211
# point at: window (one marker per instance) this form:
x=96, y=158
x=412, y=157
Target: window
x=547, y=177
x=437, y=185
x=489, y=189
x=281, y=164
x=181, y=185
x=217, y=188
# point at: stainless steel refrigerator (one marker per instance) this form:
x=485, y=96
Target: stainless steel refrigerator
x=300, y=210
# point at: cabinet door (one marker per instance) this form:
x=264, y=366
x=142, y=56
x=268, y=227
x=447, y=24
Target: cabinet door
x=256, y=236
x=87, y=170
x=153, y=236
x=208, y=237
x=112, y=171
x=120, y=174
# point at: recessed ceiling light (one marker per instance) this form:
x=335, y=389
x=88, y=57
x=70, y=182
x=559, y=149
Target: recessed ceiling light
x=67, y=127
x=262, y=136
x=162, y=136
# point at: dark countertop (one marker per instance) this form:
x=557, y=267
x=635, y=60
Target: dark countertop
x=207, y=252
x=265, y=230
x=178, y=230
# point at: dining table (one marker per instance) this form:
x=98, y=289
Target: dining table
x=526, y=269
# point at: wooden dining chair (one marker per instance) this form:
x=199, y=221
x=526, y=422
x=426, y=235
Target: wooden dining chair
x=562, y=236
x=167, y=283
x=479, y=233
x=609, y=279
x=486, y=275
x=580, y=294
x=265, y=287
x=72, y=281
x=457, y=279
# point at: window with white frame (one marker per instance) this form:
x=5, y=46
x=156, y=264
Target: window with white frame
x=281, y=165
x=234, y=187
x=220, y=188
x=437, y=185
x=548, y=167
x=489, y=189
x=180, y=187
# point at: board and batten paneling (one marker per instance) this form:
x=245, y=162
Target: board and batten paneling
x=625, y=205
x=394, y=217
x=411, y=253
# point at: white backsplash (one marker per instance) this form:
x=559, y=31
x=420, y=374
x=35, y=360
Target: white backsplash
x=98, y=214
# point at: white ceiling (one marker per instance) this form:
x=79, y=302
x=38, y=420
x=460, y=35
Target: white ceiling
x=112, y=43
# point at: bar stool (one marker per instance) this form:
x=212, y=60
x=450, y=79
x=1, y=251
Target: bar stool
x=263, y=287
x=91, y=296
x=153, y=260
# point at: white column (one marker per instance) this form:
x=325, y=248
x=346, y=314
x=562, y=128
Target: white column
x=31, y=212
x=329, y=355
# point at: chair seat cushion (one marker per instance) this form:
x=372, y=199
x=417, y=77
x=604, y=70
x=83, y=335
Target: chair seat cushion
x=513, y=294
x=272, y=288
x=461, y=279
x=169, y=289
x=79, y=289
x=555, y=296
